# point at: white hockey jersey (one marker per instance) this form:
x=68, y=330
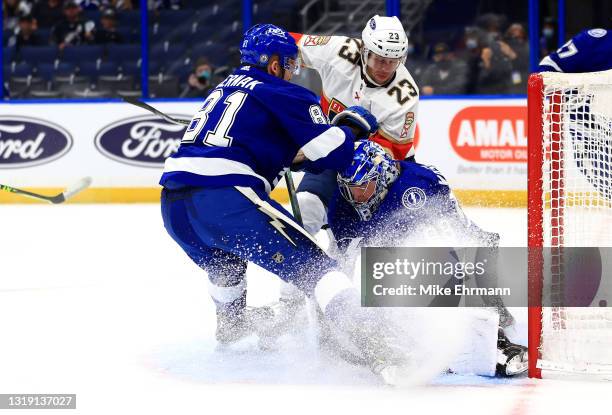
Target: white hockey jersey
x=337, y=59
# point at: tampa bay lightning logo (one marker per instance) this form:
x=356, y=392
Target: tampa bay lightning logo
x=372, y=24
x=414, y=198
x=597, y=32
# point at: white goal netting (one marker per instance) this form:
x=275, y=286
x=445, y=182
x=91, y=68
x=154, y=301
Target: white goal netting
x=577, y=212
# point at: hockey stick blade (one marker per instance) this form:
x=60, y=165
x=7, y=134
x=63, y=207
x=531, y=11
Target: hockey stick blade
x=144, y=105
x=72, y=190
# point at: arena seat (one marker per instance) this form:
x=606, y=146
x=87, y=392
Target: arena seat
x=78, y=54
x=38, y=54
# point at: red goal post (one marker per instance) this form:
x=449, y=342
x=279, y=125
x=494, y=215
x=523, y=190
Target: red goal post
x=569, y=205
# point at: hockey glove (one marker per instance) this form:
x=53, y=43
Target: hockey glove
x=359, y=120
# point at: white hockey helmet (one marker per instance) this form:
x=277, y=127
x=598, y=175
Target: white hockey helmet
x=385, y=36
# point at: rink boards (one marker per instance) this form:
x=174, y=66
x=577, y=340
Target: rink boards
x=479, y=144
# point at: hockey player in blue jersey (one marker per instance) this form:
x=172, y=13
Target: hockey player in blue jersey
x=394, y=202
x=385, y=202
x=216, y=204
x=588, y=51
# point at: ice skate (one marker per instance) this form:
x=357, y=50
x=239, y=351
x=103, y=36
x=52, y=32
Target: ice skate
x=512, y=359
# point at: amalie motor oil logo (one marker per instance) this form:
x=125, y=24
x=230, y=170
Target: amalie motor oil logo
x=490, y=134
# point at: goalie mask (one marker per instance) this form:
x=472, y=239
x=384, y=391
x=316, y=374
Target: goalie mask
x=365, y=183
x=385, y=46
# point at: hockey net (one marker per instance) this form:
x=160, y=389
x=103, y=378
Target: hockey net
x=570, y=205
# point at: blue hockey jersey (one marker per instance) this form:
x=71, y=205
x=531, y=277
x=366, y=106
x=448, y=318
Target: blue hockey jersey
x=588, y=51
x=248, y=131
x=419, y=202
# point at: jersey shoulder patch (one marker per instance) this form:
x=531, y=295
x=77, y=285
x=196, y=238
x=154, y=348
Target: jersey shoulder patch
x=313, y=40
x=597, y=32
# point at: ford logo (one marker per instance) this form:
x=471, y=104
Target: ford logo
x=145, y=141
x=27, y=142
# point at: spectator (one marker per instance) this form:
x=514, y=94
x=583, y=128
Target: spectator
x=25, y=34
x=48, y=13
x=492, y=25
x=198, y=83
x=415, y=63
x=446, y=75
x=12, y=9
x=472, y=41
x=72, y=30
x=548, y=38
x=108, y=32
x=516, y=47
x=489, y=69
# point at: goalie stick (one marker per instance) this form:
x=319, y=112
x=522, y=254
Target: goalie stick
x=288, y=177
x=60, y=198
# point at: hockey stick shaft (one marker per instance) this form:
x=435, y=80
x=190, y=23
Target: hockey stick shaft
x=295, y=207
x=60, y=198
x=144, y=105
x=12, y=189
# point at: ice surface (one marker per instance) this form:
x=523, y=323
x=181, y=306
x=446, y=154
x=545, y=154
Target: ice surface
x=97, y=300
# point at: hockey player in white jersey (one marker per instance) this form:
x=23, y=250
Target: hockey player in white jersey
x=368, y=72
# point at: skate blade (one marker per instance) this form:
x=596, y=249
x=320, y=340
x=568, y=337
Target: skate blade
x=517, y=365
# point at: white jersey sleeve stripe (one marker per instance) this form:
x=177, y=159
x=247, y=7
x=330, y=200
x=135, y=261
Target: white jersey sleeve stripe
x=549, y=62
x=324, y=143
x=204, y=166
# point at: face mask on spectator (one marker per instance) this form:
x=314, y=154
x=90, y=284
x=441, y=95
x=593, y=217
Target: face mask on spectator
x=471, y=43
x=204, y=76
x=548, y=32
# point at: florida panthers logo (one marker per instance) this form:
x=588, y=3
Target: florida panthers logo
x=414, y=198
x=335, y=107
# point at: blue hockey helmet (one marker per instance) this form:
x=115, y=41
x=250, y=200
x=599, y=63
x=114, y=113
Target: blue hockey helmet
x=365, y=183
x=262, y=41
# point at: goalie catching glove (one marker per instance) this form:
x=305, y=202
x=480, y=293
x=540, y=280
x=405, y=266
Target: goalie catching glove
x=359, y=120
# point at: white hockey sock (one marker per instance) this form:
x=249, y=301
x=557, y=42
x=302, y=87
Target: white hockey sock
x=226, y=294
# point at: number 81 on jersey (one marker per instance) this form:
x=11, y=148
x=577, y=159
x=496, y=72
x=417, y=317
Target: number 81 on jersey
x=219, y=135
